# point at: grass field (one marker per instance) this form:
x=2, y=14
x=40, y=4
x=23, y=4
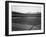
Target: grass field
x=26, y=21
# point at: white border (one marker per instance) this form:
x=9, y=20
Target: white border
x=24, y=32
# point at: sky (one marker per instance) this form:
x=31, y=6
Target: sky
x=26, y=9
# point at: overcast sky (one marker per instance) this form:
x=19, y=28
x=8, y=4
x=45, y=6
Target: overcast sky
x=26, y=9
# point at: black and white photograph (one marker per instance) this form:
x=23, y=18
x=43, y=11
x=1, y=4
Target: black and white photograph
x=25, y=18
